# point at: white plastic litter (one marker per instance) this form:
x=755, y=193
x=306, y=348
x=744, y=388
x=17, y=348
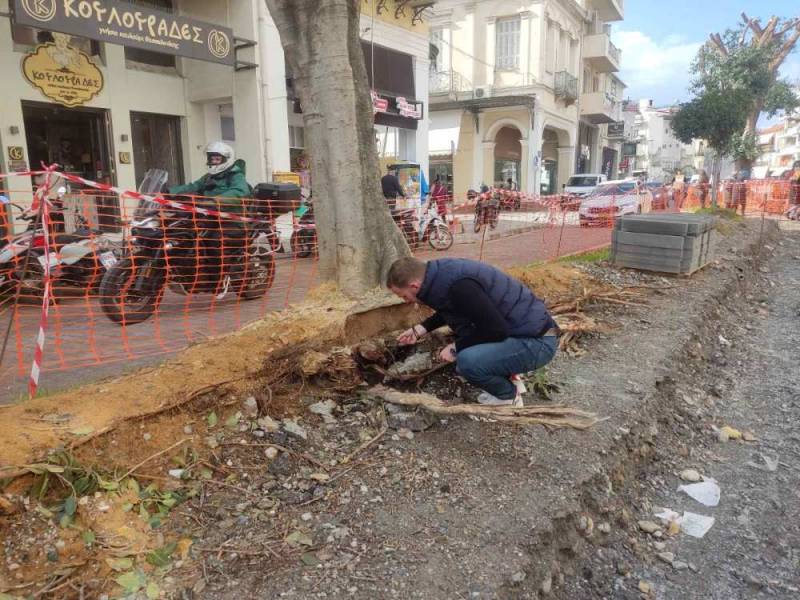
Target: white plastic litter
x=706, y=492
x=690, y=523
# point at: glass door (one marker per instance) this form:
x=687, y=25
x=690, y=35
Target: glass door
x=157, y=145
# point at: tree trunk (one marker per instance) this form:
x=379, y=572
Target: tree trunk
x=358, y=239
x=750, y=128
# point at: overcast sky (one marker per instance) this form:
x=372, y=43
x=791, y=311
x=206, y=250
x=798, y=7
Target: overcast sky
x=660, y=39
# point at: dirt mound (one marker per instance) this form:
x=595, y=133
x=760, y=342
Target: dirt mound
x=552, y=281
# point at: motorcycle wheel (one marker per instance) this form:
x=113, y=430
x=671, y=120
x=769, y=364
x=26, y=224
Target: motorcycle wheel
x=122, y=307
x=259, y=276
x=302, y=244
x=440, y=238
x=493, y=219
x=476, y=226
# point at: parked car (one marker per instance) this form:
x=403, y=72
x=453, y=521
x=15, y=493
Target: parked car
x=583, y=184
x=662, y=194
x=613, y=199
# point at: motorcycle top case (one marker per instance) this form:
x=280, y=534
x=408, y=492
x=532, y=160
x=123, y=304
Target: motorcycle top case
x=274, y=199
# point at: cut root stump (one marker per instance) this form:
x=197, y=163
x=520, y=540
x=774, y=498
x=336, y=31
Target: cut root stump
x=551, y=415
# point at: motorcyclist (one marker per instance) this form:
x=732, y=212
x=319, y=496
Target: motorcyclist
x=222, y=188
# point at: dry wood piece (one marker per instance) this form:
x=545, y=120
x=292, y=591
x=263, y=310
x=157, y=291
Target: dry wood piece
x=554, y=415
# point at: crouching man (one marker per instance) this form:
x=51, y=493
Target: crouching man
x=501, y=328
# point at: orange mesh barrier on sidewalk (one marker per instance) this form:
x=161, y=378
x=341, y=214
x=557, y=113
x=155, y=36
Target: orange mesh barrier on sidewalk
x=134, y=282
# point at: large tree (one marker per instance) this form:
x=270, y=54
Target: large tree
x=745, y=62
x=357, y=237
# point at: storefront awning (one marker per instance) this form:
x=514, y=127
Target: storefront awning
x=443, y=132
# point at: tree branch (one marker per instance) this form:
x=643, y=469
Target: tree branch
x=752, y=24
x=769, y=32
x=786, y=27
x=716, y=40
x=787, y=47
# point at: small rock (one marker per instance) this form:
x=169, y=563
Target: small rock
x=250, y=407
x=659, y=546
x=418, y=420
x=268, y=424
x=147, y=437
x=586, y=525
x=667, y=557
x=291, y=426
x=604, y=528
x=271, y=453
x=690, y=475
x=649, y=526
x=324, y=409
x=306, y=516
x=518, y=577
x=188, y=429
x=747, y=436
x=679, y=565
x=547, y=585
x=176, y=473
x=644, y=587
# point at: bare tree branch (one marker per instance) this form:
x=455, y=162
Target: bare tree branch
x=769, y=32
x=786, y=27
x=787, y=47
x=716, y=41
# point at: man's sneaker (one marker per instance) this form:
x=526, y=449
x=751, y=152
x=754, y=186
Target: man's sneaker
x=487, y=399
x=519, y=384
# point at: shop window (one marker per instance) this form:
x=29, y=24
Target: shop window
x=507, y=44
x=30, y=36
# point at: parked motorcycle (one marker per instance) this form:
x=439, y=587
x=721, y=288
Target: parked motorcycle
x=304, y=237
x=487, y=210
x=431, y=228
x=76, y=259
x=167, y=249
x=510, y=200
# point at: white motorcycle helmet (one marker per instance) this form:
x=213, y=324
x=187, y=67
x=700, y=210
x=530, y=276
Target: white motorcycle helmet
x=219, y=158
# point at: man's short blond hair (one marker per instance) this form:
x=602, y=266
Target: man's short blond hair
x=405, y=270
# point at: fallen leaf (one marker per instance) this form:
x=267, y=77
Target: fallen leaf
x=184, y=545
x=85, y=430
x=310, y=559
x=152, y=591
x=212, y=419
x=747, y=436
x=132, y=581
x=297, y=538
x=233, y=420
x=120, y=564
x=731, y=433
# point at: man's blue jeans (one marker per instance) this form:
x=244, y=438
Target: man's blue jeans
x=489, y=366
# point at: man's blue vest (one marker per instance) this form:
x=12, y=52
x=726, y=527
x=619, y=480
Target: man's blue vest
x=526, y=314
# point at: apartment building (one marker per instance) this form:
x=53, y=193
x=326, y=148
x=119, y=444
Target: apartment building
x=524, y=90
x=780, y=147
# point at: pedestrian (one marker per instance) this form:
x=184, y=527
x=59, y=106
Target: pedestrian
x=510, y=185
x=740, y=190
x=439, y=196
x=501, y=328
x=702, y=183
x=391, y=187
x=677, y=190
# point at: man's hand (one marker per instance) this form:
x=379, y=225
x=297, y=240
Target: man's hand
x=448, y=353
x=410, y=336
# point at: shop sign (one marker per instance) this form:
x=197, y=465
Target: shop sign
x=406, y=109
x=616, y=129
x=378, y=104
x=17, y=166
x=16, y=153
x=62, y=73
x=131, y=25
x=125, y=158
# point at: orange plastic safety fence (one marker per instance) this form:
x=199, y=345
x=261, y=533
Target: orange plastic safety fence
x=133, y=281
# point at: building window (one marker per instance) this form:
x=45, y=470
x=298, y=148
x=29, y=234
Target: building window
x=439, y=41
x=551, y=57
x=297, y=138
x=30, y=36
x=227, y=129
x=148, y=57
x=507, y=44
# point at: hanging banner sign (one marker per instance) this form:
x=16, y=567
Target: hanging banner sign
x=62, y=73
x=130, y=25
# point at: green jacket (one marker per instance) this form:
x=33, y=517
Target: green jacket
x=227, y=187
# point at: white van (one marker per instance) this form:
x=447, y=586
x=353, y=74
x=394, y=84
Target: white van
x=584, y=183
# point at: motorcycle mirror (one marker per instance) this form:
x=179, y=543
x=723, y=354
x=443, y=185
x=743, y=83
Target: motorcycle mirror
x=61, y=191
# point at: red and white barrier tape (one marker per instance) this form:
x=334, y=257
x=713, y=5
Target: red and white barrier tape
x=38, y=355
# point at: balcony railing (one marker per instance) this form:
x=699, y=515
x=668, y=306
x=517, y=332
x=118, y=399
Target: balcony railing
x=614, y=52
x=566, y=86
x=447, y=82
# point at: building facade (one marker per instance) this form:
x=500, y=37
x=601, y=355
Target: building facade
x=523, y=91
x=779, y=146
x=111, y=88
